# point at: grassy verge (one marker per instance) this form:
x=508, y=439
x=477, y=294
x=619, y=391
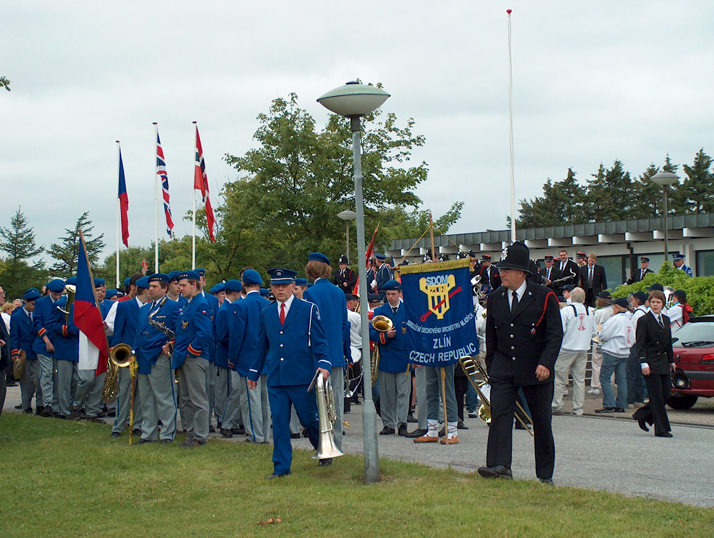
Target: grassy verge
x=63, y=478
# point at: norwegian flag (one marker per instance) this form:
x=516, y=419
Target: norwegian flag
x=161, y=172
x=200, y=183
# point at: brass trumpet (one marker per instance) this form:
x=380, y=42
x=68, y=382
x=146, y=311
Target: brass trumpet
x=470, y=368
x=119, y=357
x=381, y=324
x=326, y=448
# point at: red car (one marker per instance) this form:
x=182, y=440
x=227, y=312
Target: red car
x=693, y=346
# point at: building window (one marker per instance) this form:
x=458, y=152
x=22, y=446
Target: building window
x=705, y=263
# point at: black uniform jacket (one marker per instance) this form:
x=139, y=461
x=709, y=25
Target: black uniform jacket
x=516, y=343
x=599, y=279
x=572, y=269
x=654, y=344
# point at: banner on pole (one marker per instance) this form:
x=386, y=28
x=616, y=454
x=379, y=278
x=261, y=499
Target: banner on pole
x=440, y=315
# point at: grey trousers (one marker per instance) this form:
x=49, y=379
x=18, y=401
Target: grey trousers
x=573, y=362
x=210, y=386
x=124, y=402
x=65, y=373
x=193, y=393
x=158, y=401
x=221, y=392
x=47, y=372
x=89, y=392
x=255, y=409
x=232, y=413
x=394, y=397
x=294, y=421
x=29, y=384
x=433, y=392
x=420, y=380
x=337, y=378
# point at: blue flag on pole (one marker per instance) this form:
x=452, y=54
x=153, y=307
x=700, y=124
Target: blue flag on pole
x=441, y=322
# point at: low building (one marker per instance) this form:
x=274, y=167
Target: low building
x=618, y=245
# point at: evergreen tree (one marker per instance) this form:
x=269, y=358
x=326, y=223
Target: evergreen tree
x=697, y=188
x=67, y=252
x=19, y=243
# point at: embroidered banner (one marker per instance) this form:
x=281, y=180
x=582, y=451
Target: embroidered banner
x=440, y=313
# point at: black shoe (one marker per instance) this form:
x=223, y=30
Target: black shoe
x=115, y=435
x=238, y=431
x=387, y=431
x=605, y=410
x=65, y=417
x=461, y=426
x=442, y=432
x=294, y=436
x=211, y=429
x=136, y=431
x=226, y=433
x=643, y=425
x=28, y=410
x=411, y=419
x=619, y=410
x=111, y=413
x=497, y=471
x=547, y=481
x=272, y=476
x=416, y=433
x=143, y=441
x=325, y=462
x=663, y=434
x=402, y=431
x=18, y=406
x=38, y=409
x=47, y=412
x=304, y=433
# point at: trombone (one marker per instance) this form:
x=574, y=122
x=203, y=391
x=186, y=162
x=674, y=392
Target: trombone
x=470, y=368
x=382, y=324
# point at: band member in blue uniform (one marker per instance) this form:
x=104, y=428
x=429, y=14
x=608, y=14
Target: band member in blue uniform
x=212, y=302
x=22, y=337
x=333, y=312
x=293, y=345
x=383, y=274
x=394, y=374
x=194, y=336
x=524, y=332
x=244, y=328
x=222, y=383
x=125, y=324
x=44, y=346
x=66, y=342
x=155, y=378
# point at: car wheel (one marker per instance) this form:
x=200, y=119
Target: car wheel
x=681, y=402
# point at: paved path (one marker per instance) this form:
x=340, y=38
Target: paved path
x=592, y=452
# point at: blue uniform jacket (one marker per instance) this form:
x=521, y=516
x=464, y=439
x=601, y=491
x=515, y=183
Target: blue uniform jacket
x=244, y=328
x=193, y=331
x=148, y=341
x=393, y=352
x=125, y=322
x=65, y=334
x=333, y=312
x=22, y=335
x=292, y=351
x=225, y=312
x=212, y=302
x=43, y=308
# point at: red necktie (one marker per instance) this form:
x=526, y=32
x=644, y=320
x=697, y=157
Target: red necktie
x=282, y=313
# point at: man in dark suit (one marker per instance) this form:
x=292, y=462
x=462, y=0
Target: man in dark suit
x=549, y=273
x=592, y=279
x=567, y=267
x=4, y=361
x=640, y=274
x=490, y=278
x=523, y=336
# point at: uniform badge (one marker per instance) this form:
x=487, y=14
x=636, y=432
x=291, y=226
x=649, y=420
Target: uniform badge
x=404, y=330
x=533, y=331
x=184, y=324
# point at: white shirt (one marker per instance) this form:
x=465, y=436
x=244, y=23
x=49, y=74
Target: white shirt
x=675, y=316
x=287, y=305
x=578, y=329
x=519, y=292
x=355, y=335
x=618, y=335
x=6, y=319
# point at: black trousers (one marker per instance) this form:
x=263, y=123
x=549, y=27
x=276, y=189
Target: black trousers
x=659, y=387
x=461, y=385
x=500, y=435
x=3, y=391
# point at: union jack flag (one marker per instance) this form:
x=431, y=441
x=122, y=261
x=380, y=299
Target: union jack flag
x=161, y=172
x=200, y=183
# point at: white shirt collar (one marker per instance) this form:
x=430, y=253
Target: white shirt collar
x=521, y=290
x=287, y=304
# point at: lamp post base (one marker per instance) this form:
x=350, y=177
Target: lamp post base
x=371, y=453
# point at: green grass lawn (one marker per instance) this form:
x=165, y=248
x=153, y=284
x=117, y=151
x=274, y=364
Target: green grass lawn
x=64, y=478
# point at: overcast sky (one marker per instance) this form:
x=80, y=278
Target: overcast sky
x=592, y=82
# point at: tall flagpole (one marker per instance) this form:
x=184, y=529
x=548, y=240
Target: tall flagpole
x=193, y=255
x=118, y=209
x=156, y=202
x=510, y=118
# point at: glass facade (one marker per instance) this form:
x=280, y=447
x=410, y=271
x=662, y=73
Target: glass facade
x=705, y=263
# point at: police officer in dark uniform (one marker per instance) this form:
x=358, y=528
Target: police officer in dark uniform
x=640, y=274
x=523, y=337
x=384, y=273
x=346, y=278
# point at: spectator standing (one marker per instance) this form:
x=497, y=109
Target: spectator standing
x=617, y=336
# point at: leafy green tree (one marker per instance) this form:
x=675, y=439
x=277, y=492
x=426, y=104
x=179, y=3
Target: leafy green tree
x=19, y=242
x=290, y=189
x=397, y=223
x=67, y=252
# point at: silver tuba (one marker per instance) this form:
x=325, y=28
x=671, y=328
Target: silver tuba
x=326, y=448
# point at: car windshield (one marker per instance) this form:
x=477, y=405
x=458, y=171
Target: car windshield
x=694, y=334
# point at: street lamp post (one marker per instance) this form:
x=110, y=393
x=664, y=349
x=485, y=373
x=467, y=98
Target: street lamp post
x=354, y=100
x=347, y=216
x=664, y=179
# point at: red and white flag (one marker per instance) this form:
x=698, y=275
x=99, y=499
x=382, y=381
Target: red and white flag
x=200, y=183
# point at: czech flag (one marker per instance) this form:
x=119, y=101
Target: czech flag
x=88, y=318
x=123, y=203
